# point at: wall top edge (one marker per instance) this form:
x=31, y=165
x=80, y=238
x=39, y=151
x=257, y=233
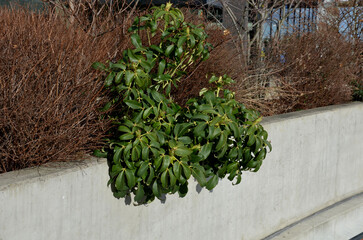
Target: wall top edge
x=50, y=170
x=310, y=112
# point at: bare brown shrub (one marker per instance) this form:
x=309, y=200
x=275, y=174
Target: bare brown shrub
x=319, y=67
x=49, y=95
x=96, y=17
x=302, y=71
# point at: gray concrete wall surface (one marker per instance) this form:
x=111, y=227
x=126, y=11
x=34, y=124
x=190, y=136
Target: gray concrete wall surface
x=316, y=161
x=342, y=220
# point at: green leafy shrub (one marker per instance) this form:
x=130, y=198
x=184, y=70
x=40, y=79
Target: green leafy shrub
x=156, y=145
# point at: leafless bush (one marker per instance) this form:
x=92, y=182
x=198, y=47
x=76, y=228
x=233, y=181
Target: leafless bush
x=49, y=95
x=96, y=17
x=302, y=71
x=321, y=67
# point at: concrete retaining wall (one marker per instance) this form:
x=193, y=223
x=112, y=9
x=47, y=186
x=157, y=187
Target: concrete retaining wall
x=317, y=160
x=342, y=220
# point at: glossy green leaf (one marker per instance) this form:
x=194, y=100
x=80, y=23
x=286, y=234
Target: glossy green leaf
x=251, y=140
x=172, y=178
x=201, y=116
x=181, y=41
x=179, y=51
x=135, y=154
x=199, y=176
x=132, y=56
x=123, y=128
x=154, y=143
x=120, y=194
x=239, y=178
x=146, y=65
x=192, y=41
x=133, y=104
x=269, y=145
x=148, y=99
x=205, y=150
x=118, y=66
x=246, y=155
x=136, y=40
x=200, y=47
x=117, y=154
x=109, y=79
x=213, y=132
x=161, y=67
x=147, y=112
x=156, y=48
x=258, y=144
x=232, y=175
x=131, y=181
x=177, y=169
x=158, y=14
x=151, y=175
x=156, y=152
x=183, y=189
x=232, y=166
x=99, y=153
x=212, y=182
x=264, y=135
x=143, y=170
x=169, y=49
x=199, y=129
x=222, y=141
x=183, y=151
x=186, y=170
x=129, y=76
x=140, y=79
x=222, y=170
x=261, y=155
x=140, y=193
x=233, y=153
x=164, y=180
x=257, y=167
x=118, y=77
x=153, y=27
x=252, y=164
x=198, y=32
x=120, y=182
x=251, y=130
x=235, y=129
x=126, y=136
x=145, y=153
x=186, y=140
x=116, y=169
x=158, y=161
x=157, y=96
x=130, y=165
x=165, y=163
x=155, y=189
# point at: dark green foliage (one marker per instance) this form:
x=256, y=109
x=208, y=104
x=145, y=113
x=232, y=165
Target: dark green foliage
x=156, y=145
